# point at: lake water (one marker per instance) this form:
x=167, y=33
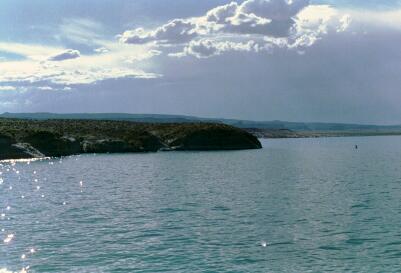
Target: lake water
x=298, y=205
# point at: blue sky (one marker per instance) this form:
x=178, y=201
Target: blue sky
x=299, y=60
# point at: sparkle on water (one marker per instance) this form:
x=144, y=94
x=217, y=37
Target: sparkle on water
x=301, y=205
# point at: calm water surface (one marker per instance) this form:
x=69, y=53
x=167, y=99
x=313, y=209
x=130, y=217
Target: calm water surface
x=300, y=205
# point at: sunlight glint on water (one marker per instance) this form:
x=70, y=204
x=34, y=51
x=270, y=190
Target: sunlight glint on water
x=10, y=166
x=302, y=205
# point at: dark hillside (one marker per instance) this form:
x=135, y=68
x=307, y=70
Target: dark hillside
x=34, y=138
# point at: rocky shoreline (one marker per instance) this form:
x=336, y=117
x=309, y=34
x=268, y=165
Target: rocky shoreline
x=21, y=139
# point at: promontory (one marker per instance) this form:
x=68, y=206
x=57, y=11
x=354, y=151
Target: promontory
x=52, y=138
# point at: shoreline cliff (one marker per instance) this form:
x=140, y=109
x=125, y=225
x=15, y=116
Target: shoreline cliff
x=20, y=139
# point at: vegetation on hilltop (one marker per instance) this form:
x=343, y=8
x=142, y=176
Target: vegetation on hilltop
x=32, y=138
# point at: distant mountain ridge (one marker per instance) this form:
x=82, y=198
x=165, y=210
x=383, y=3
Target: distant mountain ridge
x=160, y=118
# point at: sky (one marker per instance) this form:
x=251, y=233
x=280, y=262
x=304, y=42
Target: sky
x=295, y=60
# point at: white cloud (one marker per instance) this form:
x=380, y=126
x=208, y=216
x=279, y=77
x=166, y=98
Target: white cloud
x=221, y=13
x=206, y=48
x=73, y=73
x=30, y=51
x=345, y=22
x=279, y=12
x=315, y=21
x=65, y=55
x=120, y=62
x=264, y=17
x=175, y=31
x=252, y=26
x=246, y=23
x=7, y=88
x=45, y=88
x=101, y=50
x=280, y=23
x=200, y=49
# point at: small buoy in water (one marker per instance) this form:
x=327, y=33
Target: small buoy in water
x=356, y=147
x=263, y=244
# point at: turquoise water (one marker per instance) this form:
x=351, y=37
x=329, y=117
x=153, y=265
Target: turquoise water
x=300, y=205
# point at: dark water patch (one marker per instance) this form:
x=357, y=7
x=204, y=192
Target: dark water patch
x=361, y=205
x=370, y=219
x=220, y=208
x=331, y=247
x=360, y=241
x=171, y=210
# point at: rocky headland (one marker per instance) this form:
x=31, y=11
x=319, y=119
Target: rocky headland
x=21, y=139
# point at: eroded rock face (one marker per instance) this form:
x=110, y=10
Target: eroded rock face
x=10, y=150
x=28, y=150
x=105, y=146
x=134, y=142
x=51, y=144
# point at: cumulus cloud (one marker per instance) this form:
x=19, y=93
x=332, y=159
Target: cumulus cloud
x=279, y=13
x=267, y=17
x=221, y=13
x=246, y=23
x=267, y=23
x=65, y=55
x=175, y=31
x=315, y=21
x=276, y=10
x=206, y=48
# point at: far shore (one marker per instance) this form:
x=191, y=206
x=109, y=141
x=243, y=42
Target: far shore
x=285, y=133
